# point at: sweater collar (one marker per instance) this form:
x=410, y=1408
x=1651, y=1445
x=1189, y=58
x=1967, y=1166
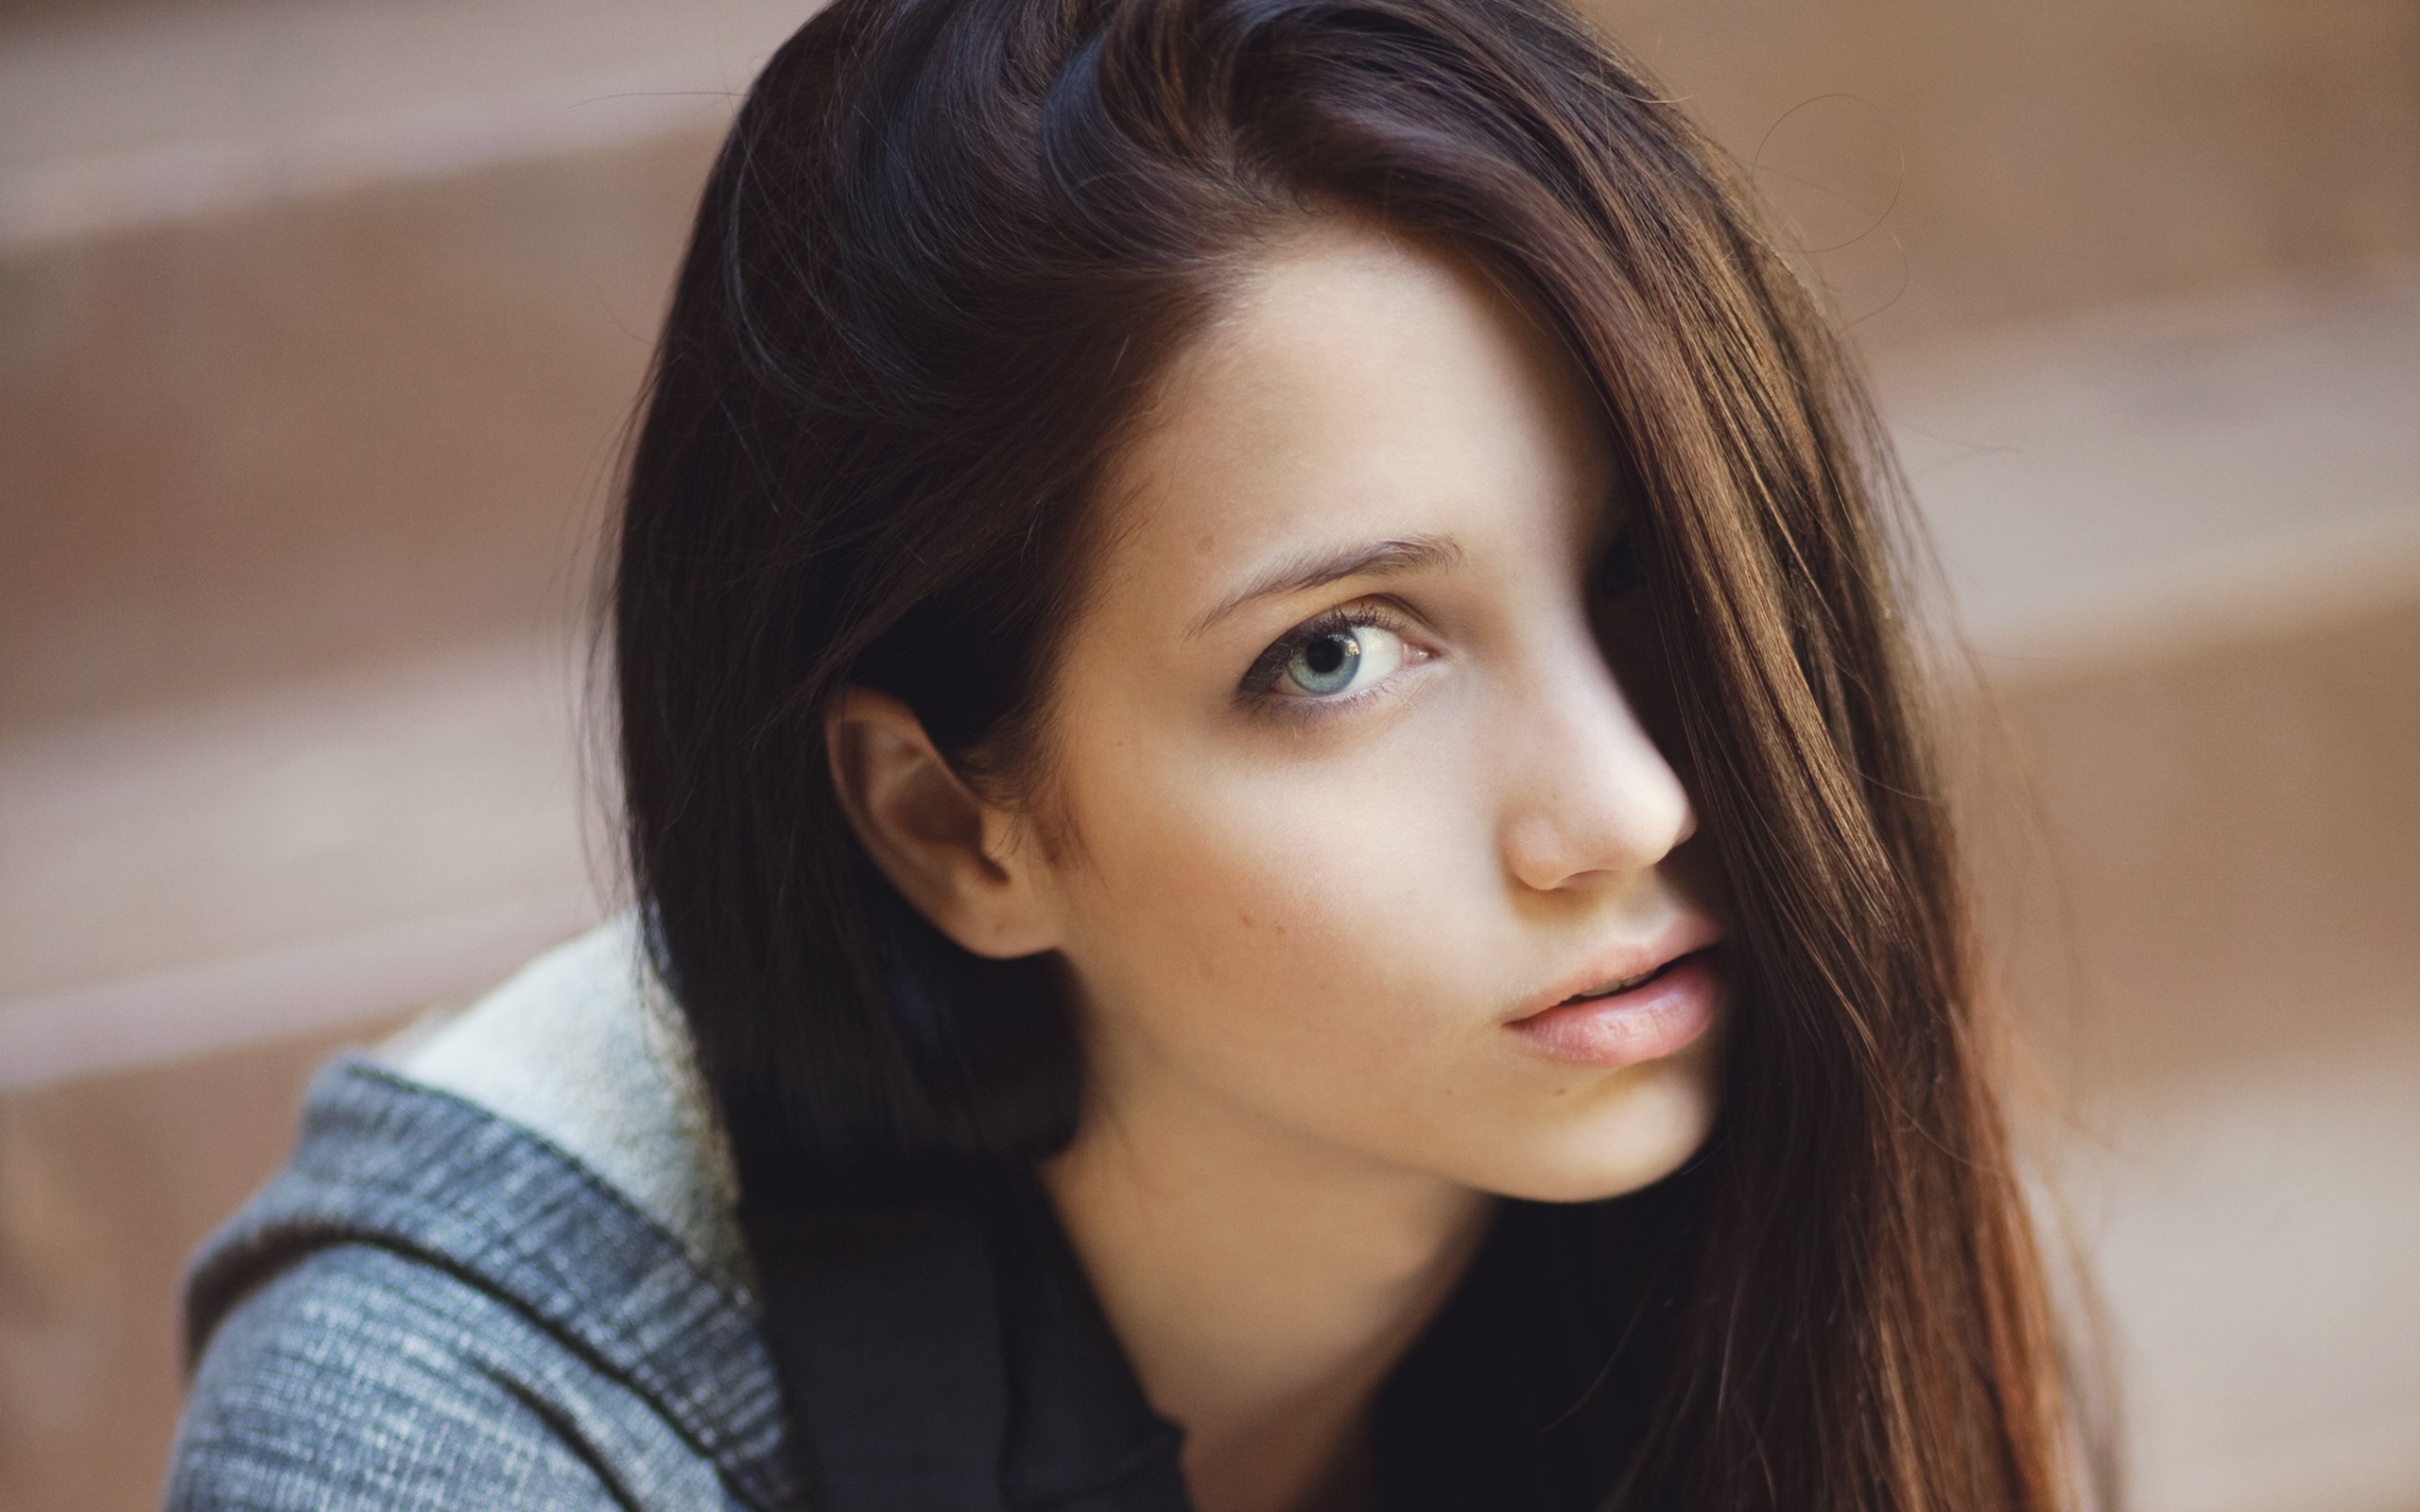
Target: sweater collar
x=389, y=1161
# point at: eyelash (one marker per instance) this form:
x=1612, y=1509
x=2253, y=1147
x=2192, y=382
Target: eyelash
x=1257, y=688
x=1620, y=573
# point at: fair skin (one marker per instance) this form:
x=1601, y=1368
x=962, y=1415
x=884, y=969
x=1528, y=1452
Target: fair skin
x=1318, y=904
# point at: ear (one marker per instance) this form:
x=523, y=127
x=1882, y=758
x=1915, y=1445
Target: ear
x=962, y=864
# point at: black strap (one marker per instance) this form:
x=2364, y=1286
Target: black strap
x=947, y=1359
x=885, y=1330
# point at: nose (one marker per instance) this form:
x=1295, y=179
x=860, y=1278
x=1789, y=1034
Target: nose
x=1587, y=796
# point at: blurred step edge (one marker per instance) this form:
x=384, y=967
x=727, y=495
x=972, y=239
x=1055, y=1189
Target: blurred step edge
x=325, y=985
x=151, y=116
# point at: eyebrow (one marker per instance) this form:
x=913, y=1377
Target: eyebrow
x=1303, y=574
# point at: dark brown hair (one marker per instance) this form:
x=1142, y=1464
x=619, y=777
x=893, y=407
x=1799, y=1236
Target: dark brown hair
x=946, y=249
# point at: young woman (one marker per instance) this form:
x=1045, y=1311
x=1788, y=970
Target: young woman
x=1282, y=858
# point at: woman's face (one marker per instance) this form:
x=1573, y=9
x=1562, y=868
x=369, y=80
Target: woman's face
x=1354, y=804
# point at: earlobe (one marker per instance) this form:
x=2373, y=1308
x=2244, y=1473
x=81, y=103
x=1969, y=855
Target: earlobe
x=934, y=839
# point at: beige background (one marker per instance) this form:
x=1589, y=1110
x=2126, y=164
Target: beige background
x=319, y=324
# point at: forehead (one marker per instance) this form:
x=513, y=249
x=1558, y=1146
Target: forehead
x=1356, y=388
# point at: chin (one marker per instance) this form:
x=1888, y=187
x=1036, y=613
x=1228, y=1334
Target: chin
x=1635, y=1136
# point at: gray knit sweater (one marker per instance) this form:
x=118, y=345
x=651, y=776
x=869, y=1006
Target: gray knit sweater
x=501, y=1270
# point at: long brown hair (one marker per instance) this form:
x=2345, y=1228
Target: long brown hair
x=946, y=247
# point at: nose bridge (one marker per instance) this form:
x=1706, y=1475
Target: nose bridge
x=1587, y=792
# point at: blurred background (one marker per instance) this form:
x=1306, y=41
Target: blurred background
x=320, y=320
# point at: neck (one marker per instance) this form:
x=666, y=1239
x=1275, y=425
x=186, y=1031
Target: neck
x=1262, y=1283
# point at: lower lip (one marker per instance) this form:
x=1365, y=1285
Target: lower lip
x=1647, y=1023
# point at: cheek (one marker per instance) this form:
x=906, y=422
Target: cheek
x=1269, y=889
x=1321, y=941
x=1331, y=945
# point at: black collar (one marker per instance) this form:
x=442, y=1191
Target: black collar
x=946, y=1358
x=953, y=1358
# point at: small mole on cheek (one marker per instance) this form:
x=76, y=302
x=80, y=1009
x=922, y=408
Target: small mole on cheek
x=1203, y=544
x=1247, y=921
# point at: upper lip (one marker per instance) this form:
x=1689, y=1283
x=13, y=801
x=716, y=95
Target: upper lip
x=1683, y=936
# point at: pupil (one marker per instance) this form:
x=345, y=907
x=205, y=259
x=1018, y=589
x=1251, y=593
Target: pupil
x=1326, y=654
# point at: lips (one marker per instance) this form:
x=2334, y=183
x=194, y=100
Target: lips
x=1625, y=984
x=1632, y=964
x=1623, y=1020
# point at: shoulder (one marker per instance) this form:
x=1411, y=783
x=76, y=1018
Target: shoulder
x=500, y=1273
x=359, y=1377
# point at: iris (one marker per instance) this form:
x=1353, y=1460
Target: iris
x=1327, y=663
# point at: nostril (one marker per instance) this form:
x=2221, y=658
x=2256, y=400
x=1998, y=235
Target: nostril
x=1590, y=793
